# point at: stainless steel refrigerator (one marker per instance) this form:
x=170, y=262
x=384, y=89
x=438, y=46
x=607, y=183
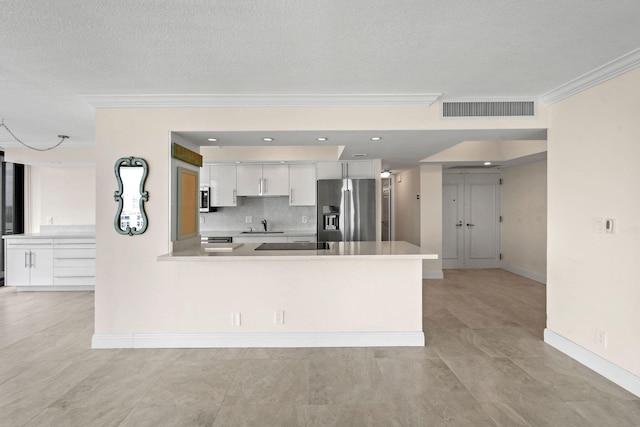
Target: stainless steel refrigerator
x=346, y=210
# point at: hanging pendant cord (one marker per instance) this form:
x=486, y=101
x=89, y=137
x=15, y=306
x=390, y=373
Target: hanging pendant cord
x=62, y=138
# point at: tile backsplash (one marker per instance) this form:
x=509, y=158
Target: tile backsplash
x=276, y=210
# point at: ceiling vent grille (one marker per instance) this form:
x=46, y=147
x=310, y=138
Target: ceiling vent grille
x=488, y=109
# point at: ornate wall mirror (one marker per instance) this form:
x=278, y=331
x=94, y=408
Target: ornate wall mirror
x=131, y=173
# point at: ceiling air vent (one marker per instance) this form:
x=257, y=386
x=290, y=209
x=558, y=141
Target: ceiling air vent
x=488, y=109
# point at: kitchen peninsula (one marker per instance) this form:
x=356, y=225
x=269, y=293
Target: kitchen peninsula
x=351, y=294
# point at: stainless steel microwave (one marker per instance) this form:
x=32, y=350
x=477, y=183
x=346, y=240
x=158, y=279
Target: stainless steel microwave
x=205, y=194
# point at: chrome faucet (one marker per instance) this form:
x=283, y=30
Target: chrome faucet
x=264, y=223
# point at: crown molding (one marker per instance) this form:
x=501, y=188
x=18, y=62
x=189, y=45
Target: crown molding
x=293, y=100
x=601, y=74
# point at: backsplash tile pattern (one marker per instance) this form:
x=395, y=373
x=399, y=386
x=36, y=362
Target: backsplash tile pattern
x=276, y=210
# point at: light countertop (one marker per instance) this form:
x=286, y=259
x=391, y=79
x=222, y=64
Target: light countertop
x=337, y=250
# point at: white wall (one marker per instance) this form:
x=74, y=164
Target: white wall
x=523, y=196
x=67, y=195
x=593, y=279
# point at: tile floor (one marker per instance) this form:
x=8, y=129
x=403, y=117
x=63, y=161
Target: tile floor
x=484, y=365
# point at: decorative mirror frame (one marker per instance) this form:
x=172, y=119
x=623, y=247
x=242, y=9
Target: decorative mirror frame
x=144, y=195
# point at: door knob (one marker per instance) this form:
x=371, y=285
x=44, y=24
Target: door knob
x=469, y=225
x=459, y=224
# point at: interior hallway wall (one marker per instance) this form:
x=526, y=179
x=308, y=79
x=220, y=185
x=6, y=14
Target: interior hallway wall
x=592, y=276
x=523, y=209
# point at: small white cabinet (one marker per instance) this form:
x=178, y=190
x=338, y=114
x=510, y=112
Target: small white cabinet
x=302, y=185
x=223, y=185
x=263, y=180
x=58, y=263
x=356, y=169
x=29, y=262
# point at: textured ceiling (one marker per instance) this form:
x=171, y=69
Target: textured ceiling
x=53, y=52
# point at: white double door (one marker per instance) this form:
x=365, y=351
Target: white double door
x=471, y=220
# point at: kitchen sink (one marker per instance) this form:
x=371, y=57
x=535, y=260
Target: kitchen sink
x=262, y=232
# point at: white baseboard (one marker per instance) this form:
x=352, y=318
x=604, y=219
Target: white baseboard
x=112, y=341
x=433, y=275
x=524, y=273
x=260, y=339
x=612, y=372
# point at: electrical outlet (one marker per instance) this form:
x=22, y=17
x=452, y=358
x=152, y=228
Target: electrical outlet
x=278, y=317
x=236, y=319
x=601, y=338
x=305, y=219
x=248, y=220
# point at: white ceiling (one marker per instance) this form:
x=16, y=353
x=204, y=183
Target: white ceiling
x=54, y=53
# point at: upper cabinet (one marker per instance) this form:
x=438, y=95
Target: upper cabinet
x=263, y=180
x=222, y=184
x=341, y=170
x=302, y=185
x=204, y=176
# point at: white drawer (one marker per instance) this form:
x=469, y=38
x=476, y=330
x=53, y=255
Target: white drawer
x=74, y=262
x=68, y=242
x=32, y=243
x=74, y=281
x=74, y=272
x=74, y=253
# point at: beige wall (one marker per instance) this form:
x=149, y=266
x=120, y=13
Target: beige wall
x=523, y=196
x=407, y=206
x=431, y=218
x=593, y=278
x=67, y=195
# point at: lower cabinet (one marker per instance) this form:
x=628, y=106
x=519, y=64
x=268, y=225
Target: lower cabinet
x=29, y=263
x=53, y=264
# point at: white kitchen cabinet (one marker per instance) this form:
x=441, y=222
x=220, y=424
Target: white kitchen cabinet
x=302, y=185
x=223, y=185
x=29, y=262
x=263, y=179
x=204, y=176
x=356, y=169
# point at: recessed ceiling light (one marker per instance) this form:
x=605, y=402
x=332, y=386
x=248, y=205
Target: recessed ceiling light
x=322, y=138
x=267, y=139
x=212, y=139
x=487, y=163
x=376, y=138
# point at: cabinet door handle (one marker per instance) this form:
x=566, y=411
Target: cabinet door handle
x=27, y=258
x=234, y=196
x=470, y=225
x=32, y=259
x=291, y=196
